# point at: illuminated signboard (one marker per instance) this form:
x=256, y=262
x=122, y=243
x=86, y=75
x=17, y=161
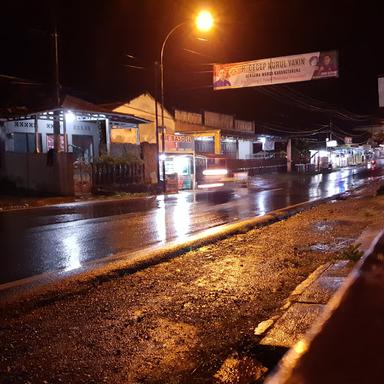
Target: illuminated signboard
x=179, y=143
x=331, y=143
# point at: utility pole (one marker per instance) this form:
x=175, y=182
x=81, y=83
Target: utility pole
x=57, y=83
x=56, y=115
x=157, y=123
x=330, y=128
x=289, y=155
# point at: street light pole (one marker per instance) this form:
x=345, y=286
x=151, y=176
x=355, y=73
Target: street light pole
x=162, y=99
x=156, y=67
x=204, y=22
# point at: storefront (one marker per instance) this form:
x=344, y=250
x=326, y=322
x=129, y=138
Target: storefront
x=179, y=162
x=335, y=156
x=83, y=129
x=50, y=150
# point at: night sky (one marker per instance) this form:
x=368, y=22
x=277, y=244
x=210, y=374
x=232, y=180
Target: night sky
x=96, y=37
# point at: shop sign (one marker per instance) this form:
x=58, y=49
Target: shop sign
x=347, y=140
x=178, y=143
x=331, y=143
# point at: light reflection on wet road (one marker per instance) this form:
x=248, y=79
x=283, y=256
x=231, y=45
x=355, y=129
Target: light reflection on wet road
x=64, y=237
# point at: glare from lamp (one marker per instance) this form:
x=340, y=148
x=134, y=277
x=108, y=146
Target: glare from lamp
x=211, y=185
x=70, y=117
x=215, y=172
x=204, y=21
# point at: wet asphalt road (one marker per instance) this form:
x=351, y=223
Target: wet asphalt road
x=64, y=237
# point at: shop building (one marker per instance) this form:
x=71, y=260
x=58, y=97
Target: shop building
x=84, y=128
x=331, y=154
x=194, y=141
x=145, y=107
x=217, y=133
x=179, y=162
x=85, y=131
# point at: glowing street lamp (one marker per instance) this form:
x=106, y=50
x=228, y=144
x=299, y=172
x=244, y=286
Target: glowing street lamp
x=204, y=22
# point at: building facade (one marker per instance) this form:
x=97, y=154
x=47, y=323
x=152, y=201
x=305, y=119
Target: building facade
x=39, y=147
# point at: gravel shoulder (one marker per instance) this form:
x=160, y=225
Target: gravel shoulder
x=178, y=321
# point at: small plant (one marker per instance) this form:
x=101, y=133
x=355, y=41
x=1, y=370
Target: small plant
x=352, y=252
x=123, y=159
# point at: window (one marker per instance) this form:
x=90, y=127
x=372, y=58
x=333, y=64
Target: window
x=51, y=141
x=25, y=142
x=204, y=145
x=257, y=147
x=229, y=148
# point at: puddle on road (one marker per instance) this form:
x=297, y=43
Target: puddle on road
x=335, y=245
x=320, y=247
x=322, y=227
x=338, y=245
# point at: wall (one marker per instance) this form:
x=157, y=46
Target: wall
x=30, y=171
x=229, y=148
x=124, y=135
x=120, y=149
x=218, y=120
x=188, y=117
x=149, y=154
x=46, y=127
x=203, y=121
x=144, y=106
x=245, y=149
x=245, y=126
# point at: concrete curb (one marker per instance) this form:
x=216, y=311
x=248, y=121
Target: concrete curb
x=367, y=242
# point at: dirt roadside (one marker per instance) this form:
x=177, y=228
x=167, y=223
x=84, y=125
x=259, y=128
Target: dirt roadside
x=177, y=322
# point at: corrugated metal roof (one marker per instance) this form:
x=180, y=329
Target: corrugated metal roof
x=76, y=105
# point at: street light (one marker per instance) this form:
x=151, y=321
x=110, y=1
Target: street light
x=204, y=22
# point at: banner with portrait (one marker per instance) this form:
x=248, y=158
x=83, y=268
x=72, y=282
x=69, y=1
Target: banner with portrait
x=278, y=70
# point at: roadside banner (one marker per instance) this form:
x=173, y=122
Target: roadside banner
x=278, y=70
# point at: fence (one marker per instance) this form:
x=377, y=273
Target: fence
x=268, y=155
x=257, y=166
x=117, y=176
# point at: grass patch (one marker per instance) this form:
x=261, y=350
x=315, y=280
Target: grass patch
x=352, y=252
